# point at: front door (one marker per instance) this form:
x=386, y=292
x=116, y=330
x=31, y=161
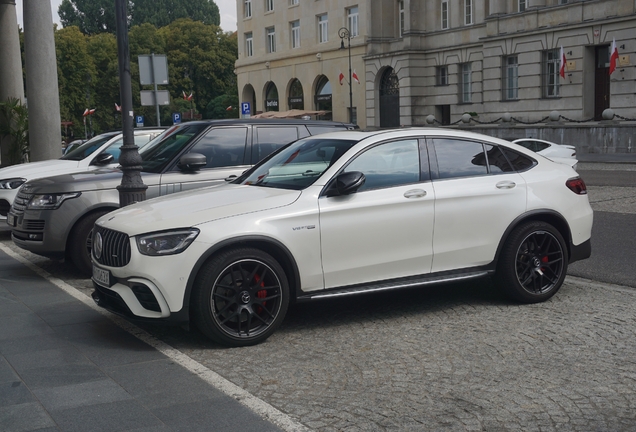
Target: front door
x=601, y=82
x=389, y=100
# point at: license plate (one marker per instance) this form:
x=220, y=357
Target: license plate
x=11, y=220
x=101, y=276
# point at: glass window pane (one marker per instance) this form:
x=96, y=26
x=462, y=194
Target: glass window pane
x=458, y=158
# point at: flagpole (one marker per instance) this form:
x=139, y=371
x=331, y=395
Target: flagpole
x=345, y=33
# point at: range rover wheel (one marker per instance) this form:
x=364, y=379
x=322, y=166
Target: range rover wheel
x=533, y=263
x=240, y=297
x=81, y=241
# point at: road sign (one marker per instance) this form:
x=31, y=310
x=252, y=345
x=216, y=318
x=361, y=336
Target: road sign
x=176, y=118
x=148, y=97
x=245, y=109
x=139, y=120
x=153, y=69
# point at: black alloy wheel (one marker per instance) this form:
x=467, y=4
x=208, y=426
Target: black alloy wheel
x=80, y=242
x=533, y=263
x=241, y=297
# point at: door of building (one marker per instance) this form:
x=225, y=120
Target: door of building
x=601, y=82
x=389, y=99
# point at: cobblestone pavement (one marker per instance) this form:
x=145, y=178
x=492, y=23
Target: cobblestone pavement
x=452, y=358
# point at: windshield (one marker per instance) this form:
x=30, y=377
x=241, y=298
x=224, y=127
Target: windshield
x=161, y=151
x=87, y=148
x=298, y=165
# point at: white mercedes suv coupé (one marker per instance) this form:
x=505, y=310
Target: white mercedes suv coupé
x=341, y=214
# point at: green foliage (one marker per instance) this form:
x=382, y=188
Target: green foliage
x=98, y=16
x=200, y=57
x=14, y=125
x=222, y=107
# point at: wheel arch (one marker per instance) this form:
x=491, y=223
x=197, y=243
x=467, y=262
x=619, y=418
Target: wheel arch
x=542, y=215
x=267, y=244
x=81, y=217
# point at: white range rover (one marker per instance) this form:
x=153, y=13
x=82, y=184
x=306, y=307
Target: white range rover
x=342, y=214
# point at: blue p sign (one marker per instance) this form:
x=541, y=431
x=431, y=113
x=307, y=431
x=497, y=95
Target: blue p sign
x=245, y=108
x=176, y=118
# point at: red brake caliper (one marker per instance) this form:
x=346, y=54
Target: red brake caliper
x=262, y=293
x=544, y=260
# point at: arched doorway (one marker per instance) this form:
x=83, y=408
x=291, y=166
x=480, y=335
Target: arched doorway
x=296, y=98
x=389, y=99
x=322, y=97
x=271, y=97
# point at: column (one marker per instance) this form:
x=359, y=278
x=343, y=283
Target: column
x=11, y=84
x=45, y=130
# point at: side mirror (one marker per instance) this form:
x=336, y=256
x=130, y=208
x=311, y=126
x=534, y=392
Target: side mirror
x=103, y=159
x=346, y=183
x=230, y=178
x=192, y=162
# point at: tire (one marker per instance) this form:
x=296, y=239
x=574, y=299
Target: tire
x=533, y=263
x=81, y=240
x=240, y=297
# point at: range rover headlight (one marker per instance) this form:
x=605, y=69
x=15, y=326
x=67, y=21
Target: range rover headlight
x=166, y=242
x=12, y=183
x=50, y=201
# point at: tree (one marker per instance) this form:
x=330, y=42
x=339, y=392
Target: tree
x=90, y=16
x=76, y=72
x=14, y=125
x=98, y=16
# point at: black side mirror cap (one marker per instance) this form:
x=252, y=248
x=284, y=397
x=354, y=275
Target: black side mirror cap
x=192, y=162
x=103, y=159
x=346, y=183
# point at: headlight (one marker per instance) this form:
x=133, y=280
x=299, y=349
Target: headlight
x=166, y=242
x=50, y=201
x=12, y=183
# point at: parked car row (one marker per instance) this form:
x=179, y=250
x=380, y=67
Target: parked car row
x=239, y=223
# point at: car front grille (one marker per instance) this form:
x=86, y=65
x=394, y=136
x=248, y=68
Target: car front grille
x=115, y=247
x=20, y=202
x=33, y=225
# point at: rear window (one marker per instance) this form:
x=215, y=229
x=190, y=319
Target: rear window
x=87, y=148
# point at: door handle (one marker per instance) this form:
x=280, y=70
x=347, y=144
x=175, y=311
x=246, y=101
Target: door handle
x=506, y=184
x=415, y=193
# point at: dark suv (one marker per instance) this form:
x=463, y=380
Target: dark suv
x=54, y=216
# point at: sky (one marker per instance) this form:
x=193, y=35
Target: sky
x=227, y=9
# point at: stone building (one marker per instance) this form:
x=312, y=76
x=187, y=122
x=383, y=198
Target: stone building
x=416, y=58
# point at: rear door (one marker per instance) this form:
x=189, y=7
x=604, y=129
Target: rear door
x=477, y=196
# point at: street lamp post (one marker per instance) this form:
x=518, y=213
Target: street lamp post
x=344, y=33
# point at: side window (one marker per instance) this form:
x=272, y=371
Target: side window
x=459, y=158
x=497, y=162
x=315, y=130
x=387, y=165
x=540, y=146
x=518, y=161
x=222, y=147
x=268, y=139
x=113, y=149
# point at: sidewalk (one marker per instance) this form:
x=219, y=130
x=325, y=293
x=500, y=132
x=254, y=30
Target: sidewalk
x=64, y=366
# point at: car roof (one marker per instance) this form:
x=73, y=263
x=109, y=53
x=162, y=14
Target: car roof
x=250, y=121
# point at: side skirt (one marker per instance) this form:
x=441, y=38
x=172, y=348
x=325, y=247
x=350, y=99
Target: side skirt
x=396, y=284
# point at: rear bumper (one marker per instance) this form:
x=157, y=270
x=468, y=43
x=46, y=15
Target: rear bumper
x=580, y=252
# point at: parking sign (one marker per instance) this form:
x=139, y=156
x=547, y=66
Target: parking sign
x=139, y=120
x=176, y=118
x=245, y=108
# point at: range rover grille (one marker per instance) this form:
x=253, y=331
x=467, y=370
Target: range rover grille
x=20, y=202
x=115, y=247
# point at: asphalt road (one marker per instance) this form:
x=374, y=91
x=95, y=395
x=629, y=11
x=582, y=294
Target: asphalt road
x=612, y=192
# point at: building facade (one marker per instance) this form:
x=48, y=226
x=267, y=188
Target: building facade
x=411, y=59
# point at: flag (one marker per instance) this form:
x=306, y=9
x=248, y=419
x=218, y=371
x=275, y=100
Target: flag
x=229, y=108
x=613, y=56
x=340, y=77
x=185, y=96
x=563, y=63
x=88, y=112
x=117, y=107
x=355, y=76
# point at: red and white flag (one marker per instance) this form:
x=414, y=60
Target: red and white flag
x=355, y=76
x=88, y=112
x=117, y=107
x=186, y=97
x=340, y=77
x=613, y=56
x=229, y=108
x=563, y=63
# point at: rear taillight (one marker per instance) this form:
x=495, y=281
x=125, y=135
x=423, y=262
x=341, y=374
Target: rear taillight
x=577, y=185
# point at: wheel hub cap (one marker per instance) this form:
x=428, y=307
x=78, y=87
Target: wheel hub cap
x=245, y=297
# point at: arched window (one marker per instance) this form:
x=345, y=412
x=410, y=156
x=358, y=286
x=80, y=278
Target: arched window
x=271, y=97
x=389, y=99
x=296, y=98
x=323, y=97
